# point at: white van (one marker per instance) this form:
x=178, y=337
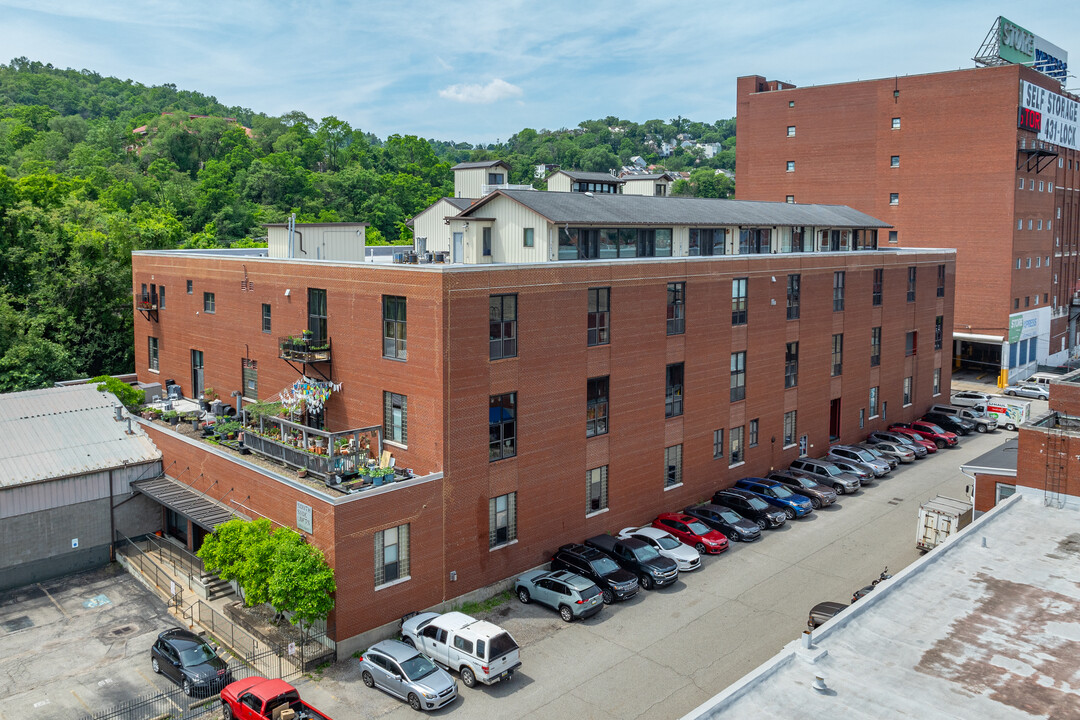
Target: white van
x=1043, y=378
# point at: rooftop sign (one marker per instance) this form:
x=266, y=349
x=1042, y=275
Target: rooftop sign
x=1010, y=44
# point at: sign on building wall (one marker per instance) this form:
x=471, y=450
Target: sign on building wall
x=1010, y=43
x=1053, y=117
x=303, y=517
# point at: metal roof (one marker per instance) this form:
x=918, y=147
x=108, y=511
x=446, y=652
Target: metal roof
x=459, y=202
x=184, y=499
x=482, y=164
x=590, y=176
x=999, y=461
x=601, y=208
x=654, y=176
x=63, y=431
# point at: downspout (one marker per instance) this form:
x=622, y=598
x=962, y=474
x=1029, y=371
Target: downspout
x=112, y=522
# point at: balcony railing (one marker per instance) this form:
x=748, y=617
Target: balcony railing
x=488, y=189
x=146, y=301
x=303, y=349
x=320, y=452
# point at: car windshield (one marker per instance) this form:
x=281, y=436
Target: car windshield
x=698, y=528
x=731, y=517
x=418, y=666
x=196, y=655
x=667, y=542
x=864, y=455
x=806, y=482
x=500, y=645
x=832, y=470
x=935, y=428
x=782, y=492
x=604, y=566
x=758, y=504
x=645, y=553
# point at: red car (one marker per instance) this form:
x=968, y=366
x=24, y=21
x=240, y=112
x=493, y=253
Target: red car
x=930, y=431
x=906, y=430
x=693, y=532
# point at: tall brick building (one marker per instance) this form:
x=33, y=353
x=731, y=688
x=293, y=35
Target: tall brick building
x=958, y=159
x=594, y=360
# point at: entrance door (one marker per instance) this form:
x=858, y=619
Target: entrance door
x=196, y=373
x=834, y=419
x=459, y=247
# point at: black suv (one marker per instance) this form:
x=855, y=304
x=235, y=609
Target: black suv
x=188, y=660
x=952, y=423
x=750, y=506
x=614, y=582
x=726, y=520
x=819, y=495
x=639, y=557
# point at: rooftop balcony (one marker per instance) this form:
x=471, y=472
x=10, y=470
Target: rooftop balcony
x=488, y=189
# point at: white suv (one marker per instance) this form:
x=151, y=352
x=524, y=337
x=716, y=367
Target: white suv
x=969, y=398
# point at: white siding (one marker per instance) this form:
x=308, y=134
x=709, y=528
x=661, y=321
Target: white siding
x=319, y=242
x=431, y=224
x=643, y=187
x=467, y=182
x=508, y=233
x=559, y=182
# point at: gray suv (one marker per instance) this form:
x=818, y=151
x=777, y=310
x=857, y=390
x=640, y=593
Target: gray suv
x=879, y=436
x=404, y=672
x=827, y=474
x=860, y=455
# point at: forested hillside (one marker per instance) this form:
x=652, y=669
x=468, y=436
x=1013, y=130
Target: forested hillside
x=95, y=167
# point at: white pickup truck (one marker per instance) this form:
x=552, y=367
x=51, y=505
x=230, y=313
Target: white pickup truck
x=477, y=650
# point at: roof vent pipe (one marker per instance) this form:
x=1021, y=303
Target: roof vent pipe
x=119, y=412
x=819, y=683
x=130, y=431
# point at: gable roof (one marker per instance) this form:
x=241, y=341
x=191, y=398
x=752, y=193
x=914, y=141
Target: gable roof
x=654, y=176
x=588, y=176
x=481, y=164
x=458, y=203
x=604, y=209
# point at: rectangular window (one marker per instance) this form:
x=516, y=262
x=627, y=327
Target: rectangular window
x=596, y=407
x=937, y=381
x=907, y=391
x=738, y=376
x=266, y=317
x=790, y=199
x=894, y=161
x=190, y=287
x=879, y=283
x=791, y=166
x=862, y=418
x=793, y=282
x=737, y=451
x=673, y=401
x=941, y=281
x=676, y=308
x=791, y=131
x=911, y=284
x=673, y=466
x=503, y=342
x=599, y=316
x=738, y=301
x=208, y=302
x=161, y=297
x=249, y=372
x=391, y=554
x=153, y=360
x=395, y=418
x=837, y=354
x=884, y=409
x=708, y=241
x=838, y=291
x=791, y=365
x=789, y=428
x=752, y=440
x=1021, y=183
x=317, y=316
x=502, y=426
x=875, y=346
x=894, y=237
x=939, y=331
x=894, y=198
x=394, y=335
x=873, y=401
x=528, y=237
x=486, y=239
x=495, y=178
x=502, y=520
x=911, y=343
x=718, y=444
x=596, y=489
x=896, y=123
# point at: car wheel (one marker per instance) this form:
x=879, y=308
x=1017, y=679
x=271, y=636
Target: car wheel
x=608, y=596
x=1010, y=392
x=468, y=677
x=940, y=444
x=763, y=524
x=523, y=596
x=815, y=503
x=838, y=488
x=154, y=664
x=408, y=641
x=790, y=513
x=368, y=680
x=646, y=582
x=414, y=702
x=187, y=687
x=1010, y=426
x=700, y=547
x=226, y=711
x=566, y=614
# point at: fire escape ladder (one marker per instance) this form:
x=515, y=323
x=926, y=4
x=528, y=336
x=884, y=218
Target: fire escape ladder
x=1057, y=455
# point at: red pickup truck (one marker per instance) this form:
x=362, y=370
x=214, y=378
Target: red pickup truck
x=256, y=698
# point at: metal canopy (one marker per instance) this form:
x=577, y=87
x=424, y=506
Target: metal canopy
x=204, y=511
x=1037, y=158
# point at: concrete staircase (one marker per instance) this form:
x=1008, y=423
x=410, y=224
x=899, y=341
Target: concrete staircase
x=214, y=587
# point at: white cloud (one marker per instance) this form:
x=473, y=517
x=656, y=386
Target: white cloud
x=497, y=89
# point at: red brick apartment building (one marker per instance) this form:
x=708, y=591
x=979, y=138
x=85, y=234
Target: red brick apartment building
x=959, y=159
x=590, y=362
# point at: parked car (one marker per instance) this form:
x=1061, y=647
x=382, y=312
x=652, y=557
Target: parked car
x=693, y=532
x=864, y=472
x=258, y=698
x=826, y=473
x=928, y=431
x=652, y=569
x=1028, y=390
x=406, y=673
x=979, y=418
x=778, y=495
x=750, y=506
x=614, y=582
x=969, y=398
x=894, y=437
x=906, y=430
x=893, y=462
x=819, y=495
x=903, y=453
x=573, y=596
x=190, y=662
x=687, y=558
x=477, y=650
x=880, y=467
x=822, y=613
x=951, y=423
x=726, y=520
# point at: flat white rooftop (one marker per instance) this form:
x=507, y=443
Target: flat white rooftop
x=969, y=631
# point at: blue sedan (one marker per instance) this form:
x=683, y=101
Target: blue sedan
x=779, y=495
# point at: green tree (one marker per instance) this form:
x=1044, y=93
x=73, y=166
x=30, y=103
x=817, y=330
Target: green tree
x=130, y=397
x=302, y=584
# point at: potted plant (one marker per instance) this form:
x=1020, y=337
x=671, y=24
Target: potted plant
x=307, y=335
x=301, y=473
x=172, y=417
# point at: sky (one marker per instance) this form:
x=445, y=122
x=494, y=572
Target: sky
x=481, y=71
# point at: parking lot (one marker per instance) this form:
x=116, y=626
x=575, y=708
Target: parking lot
x=664, y=652
x=77, y=644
